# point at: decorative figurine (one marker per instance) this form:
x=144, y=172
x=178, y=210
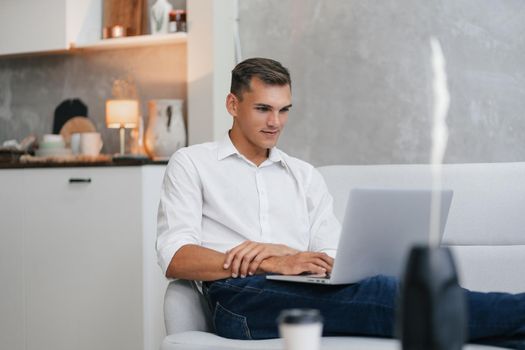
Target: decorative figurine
x=159, y=16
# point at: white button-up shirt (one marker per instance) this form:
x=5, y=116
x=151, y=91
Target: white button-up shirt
x=215, y=197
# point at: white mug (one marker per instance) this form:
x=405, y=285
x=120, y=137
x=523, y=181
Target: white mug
x=89, y=143
x=75, y=143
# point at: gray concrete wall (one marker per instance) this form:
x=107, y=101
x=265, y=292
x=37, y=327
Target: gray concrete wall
x=362, y=78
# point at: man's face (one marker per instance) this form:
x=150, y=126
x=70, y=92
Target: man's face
x=260, y=117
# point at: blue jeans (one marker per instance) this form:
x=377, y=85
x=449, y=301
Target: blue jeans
x=247, y=308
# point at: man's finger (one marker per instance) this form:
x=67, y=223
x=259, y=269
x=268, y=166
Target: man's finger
x=327, y=258
x=230, y=254
x=320, y=262
x=316, y=269
x=238, y=258
x=323, y=256
x=256, y=262
x=248, y=258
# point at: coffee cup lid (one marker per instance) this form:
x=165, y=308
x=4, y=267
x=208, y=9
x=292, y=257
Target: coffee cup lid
x=300, y=316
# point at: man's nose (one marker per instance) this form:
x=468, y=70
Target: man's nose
x=273, y=119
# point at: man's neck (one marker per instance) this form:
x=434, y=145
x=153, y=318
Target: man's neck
x=255, y=155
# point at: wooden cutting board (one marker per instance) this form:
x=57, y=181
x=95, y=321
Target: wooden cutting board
x=76, y=125
x=128, y=13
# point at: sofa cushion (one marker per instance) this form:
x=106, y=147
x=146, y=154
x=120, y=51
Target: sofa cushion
x=491, y=268
x=208, y=341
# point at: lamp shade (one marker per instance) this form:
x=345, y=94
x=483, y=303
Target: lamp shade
x=122, y=113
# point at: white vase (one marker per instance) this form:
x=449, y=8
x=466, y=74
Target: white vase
x=166, y=131
x=159, y=16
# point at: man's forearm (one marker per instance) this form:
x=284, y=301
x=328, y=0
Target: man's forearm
x=193, y=262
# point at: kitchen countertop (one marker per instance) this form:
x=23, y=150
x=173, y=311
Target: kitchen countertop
x=51, y=164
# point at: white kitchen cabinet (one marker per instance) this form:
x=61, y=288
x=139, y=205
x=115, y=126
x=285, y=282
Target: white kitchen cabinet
x=79, y=260
x=28, y=26
x=12, y=263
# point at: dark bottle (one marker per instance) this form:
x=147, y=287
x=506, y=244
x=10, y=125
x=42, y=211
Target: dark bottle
x=177, y=21
x=432, y=311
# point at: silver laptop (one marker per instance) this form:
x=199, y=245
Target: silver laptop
x=379, y=228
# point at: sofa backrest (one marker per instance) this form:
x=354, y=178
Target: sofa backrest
x=486, y=223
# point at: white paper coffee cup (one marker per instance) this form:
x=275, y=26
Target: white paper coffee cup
x=301, y=329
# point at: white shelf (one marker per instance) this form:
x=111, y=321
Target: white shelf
x=134, y=41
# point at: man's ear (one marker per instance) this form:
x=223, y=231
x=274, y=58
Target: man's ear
x=232, y=104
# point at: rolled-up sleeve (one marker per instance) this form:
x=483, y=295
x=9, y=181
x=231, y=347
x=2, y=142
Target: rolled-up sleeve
x=324, y=226
x=180, y=209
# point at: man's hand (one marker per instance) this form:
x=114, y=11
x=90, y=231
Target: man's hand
x=246, y=258
x=304, y=262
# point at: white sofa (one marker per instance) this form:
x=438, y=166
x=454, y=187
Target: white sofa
x=485, y=229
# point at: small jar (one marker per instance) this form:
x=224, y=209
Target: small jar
x=177, y=22
x=172, y=24
x=181, y=21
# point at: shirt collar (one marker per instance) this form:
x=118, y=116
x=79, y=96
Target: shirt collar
x=226, y=149
x=275, y=156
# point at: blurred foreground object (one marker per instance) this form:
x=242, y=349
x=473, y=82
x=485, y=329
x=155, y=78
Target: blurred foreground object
x=432, y=314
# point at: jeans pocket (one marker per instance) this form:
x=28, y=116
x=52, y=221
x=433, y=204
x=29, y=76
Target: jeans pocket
x=229, y=324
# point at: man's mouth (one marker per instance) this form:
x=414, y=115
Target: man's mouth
x=270, y=132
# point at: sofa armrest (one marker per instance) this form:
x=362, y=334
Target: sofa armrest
x=185, y=309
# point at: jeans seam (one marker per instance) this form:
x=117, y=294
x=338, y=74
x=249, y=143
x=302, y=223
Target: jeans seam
x=499, y=325
x=246, y=329
x=258, y=291
x=240, y=289
x=331, y=300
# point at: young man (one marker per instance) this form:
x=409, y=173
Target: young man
x=233, y=210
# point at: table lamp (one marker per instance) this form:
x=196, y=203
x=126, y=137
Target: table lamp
x=122, y=114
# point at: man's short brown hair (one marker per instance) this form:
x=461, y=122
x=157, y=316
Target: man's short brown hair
x=269, y=71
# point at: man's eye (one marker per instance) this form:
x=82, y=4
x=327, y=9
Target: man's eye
x=262, y=109
x=285, y=110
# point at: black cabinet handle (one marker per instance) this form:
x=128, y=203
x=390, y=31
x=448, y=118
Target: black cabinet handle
x=78, y=180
